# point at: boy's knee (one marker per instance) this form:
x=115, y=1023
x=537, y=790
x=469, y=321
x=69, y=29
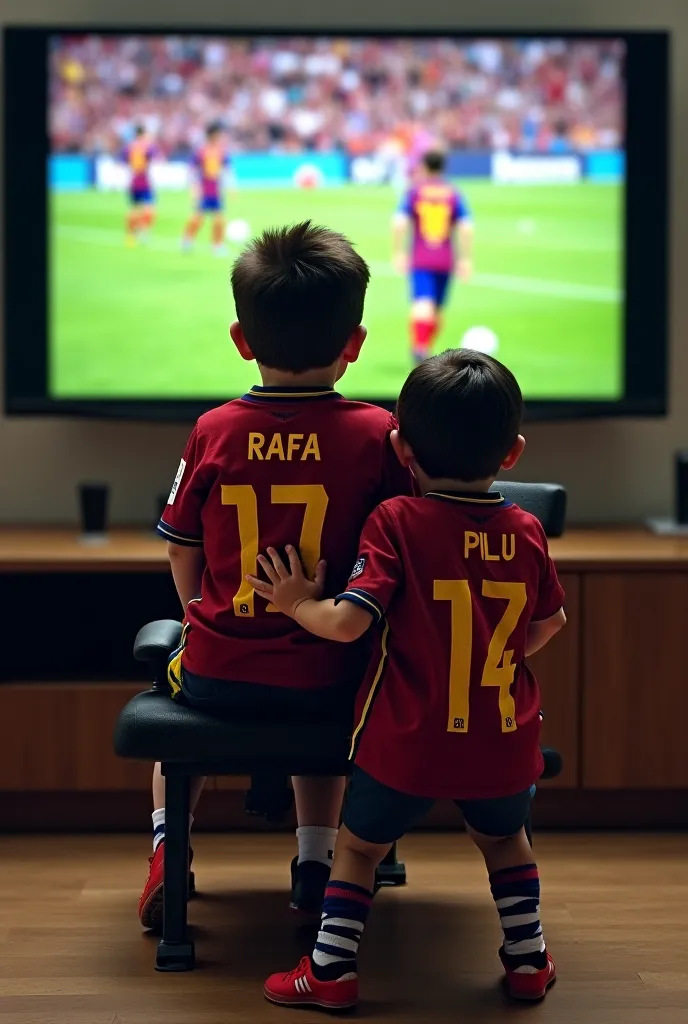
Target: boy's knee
x=484, y=842
x=374, y=852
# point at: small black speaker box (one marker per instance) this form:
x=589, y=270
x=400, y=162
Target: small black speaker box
x=681, y=495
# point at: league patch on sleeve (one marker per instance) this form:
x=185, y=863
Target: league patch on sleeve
x=177, y=481
x=358, y=568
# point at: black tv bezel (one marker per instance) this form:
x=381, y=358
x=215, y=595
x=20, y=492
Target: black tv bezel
x=646, y=271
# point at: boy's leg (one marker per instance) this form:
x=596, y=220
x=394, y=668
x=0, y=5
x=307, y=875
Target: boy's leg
x=515, y=886
x=150, y=903
x=375, y=816
x=318, y=802
x=330, y=977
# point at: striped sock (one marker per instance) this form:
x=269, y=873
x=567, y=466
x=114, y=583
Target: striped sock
x=159, y=826
x=344, y=913
x=516, y=892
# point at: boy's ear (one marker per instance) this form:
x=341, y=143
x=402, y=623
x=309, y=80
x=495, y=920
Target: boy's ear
x=402, y=450
x=515, y=453
x=237, y=336
x=352, y=349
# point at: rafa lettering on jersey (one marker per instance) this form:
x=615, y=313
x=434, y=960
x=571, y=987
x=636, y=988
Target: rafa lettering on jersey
x=284, y=448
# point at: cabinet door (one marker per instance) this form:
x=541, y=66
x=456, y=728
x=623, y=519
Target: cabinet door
x=635, y=680
x=58, y=736
x=556, y=668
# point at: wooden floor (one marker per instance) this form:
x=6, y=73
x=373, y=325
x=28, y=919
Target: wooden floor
x=615, y=911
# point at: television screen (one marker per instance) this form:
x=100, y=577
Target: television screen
x=504, y=190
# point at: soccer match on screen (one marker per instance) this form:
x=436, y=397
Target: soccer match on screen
x=482, y=180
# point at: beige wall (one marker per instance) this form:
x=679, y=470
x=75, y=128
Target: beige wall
x=614, y=470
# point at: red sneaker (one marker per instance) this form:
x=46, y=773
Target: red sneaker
x=530, y=986
x=150, y=904
x=300, y=988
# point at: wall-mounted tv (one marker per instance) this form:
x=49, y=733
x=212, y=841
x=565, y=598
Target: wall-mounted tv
x=139, y=162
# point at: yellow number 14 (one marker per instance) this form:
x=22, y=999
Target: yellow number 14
x=498, y=669
x=313, y=496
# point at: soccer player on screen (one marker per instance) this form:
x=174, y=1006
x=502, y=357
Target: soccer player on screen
x=208, y=164
x=433, y=212
x=138, y=156
x=461, y=587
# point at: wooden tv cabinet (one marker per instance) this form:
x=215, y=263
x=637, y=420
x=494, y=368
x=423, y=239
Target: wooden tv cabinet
x=613, y=681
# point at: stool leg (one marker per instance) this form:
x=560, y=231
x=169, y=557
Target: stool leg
x=175, y=949
x=391, y=871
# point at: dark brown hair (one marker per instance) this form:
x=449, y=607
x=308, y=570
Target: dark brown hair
x=435, y=161
x=461, y=413
x=299, y=294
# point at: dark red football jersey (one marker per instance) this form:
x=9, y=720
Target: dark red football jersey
x=450, y=709
x=278, y=466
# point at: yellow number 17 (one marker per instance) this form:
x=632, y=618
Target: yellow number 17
x=313, y=496
x=498, y=669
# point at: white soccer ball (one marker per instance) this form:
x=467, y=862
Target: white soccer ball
x=481, y=339
x=238, y=230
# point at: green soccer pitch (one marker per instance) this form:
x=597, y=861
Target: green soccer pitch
x=151, y=322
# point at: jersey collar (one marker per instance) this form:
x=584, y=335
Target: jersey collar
x=258, y=393
x=469, y=497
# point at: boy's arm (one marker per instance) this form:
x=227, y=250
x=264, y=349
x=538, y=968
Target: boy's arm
x=548, y=615
x=181, y=524
x=187, y=565
x=344, y=622
x=540, y=633
x=463, y=227
x=292, y=594
x=464, y=232
x=375, y=578
x=400, y=227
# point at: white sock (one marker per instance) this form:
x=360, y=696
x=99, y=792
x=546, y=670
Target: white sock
x=316, y=842
x=159, y=826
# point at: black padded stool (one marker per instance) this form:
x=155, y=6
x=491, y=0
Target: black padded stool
x=189, y=743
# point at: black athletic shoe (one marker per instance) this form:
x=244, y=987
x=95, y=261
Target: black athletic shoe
x=308, y=882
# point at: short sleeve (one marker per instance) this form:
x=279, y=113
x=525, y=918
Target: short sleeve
x=550, y=591
x=181, y=521
x=378, y=571
x=461, y=210
x=395, y=479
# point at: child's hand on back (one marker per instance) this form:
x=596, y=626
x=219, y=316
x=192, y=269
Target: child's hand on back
x=287, y=587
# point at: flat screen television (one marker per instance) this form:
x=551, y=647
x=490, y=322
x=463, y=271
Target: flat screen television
x=139, y=162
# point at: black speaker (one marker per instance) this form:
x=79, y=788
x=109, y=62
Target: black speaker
x=681, y=495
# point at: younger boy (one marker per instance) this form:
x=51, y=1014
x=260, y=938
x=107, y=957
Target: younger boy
x=462, y=585
x=292, y=458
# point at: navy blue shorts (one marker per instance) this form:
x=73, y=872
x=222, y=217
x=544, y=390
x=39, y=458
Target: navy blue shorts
x=209, y=204
x=378, y=814
x=429, y=284
x=222, y=696
x=138, y=196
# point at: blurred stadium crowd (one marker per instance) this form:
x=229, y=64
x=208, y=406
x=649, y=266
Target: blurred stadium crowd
x=321, y=94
